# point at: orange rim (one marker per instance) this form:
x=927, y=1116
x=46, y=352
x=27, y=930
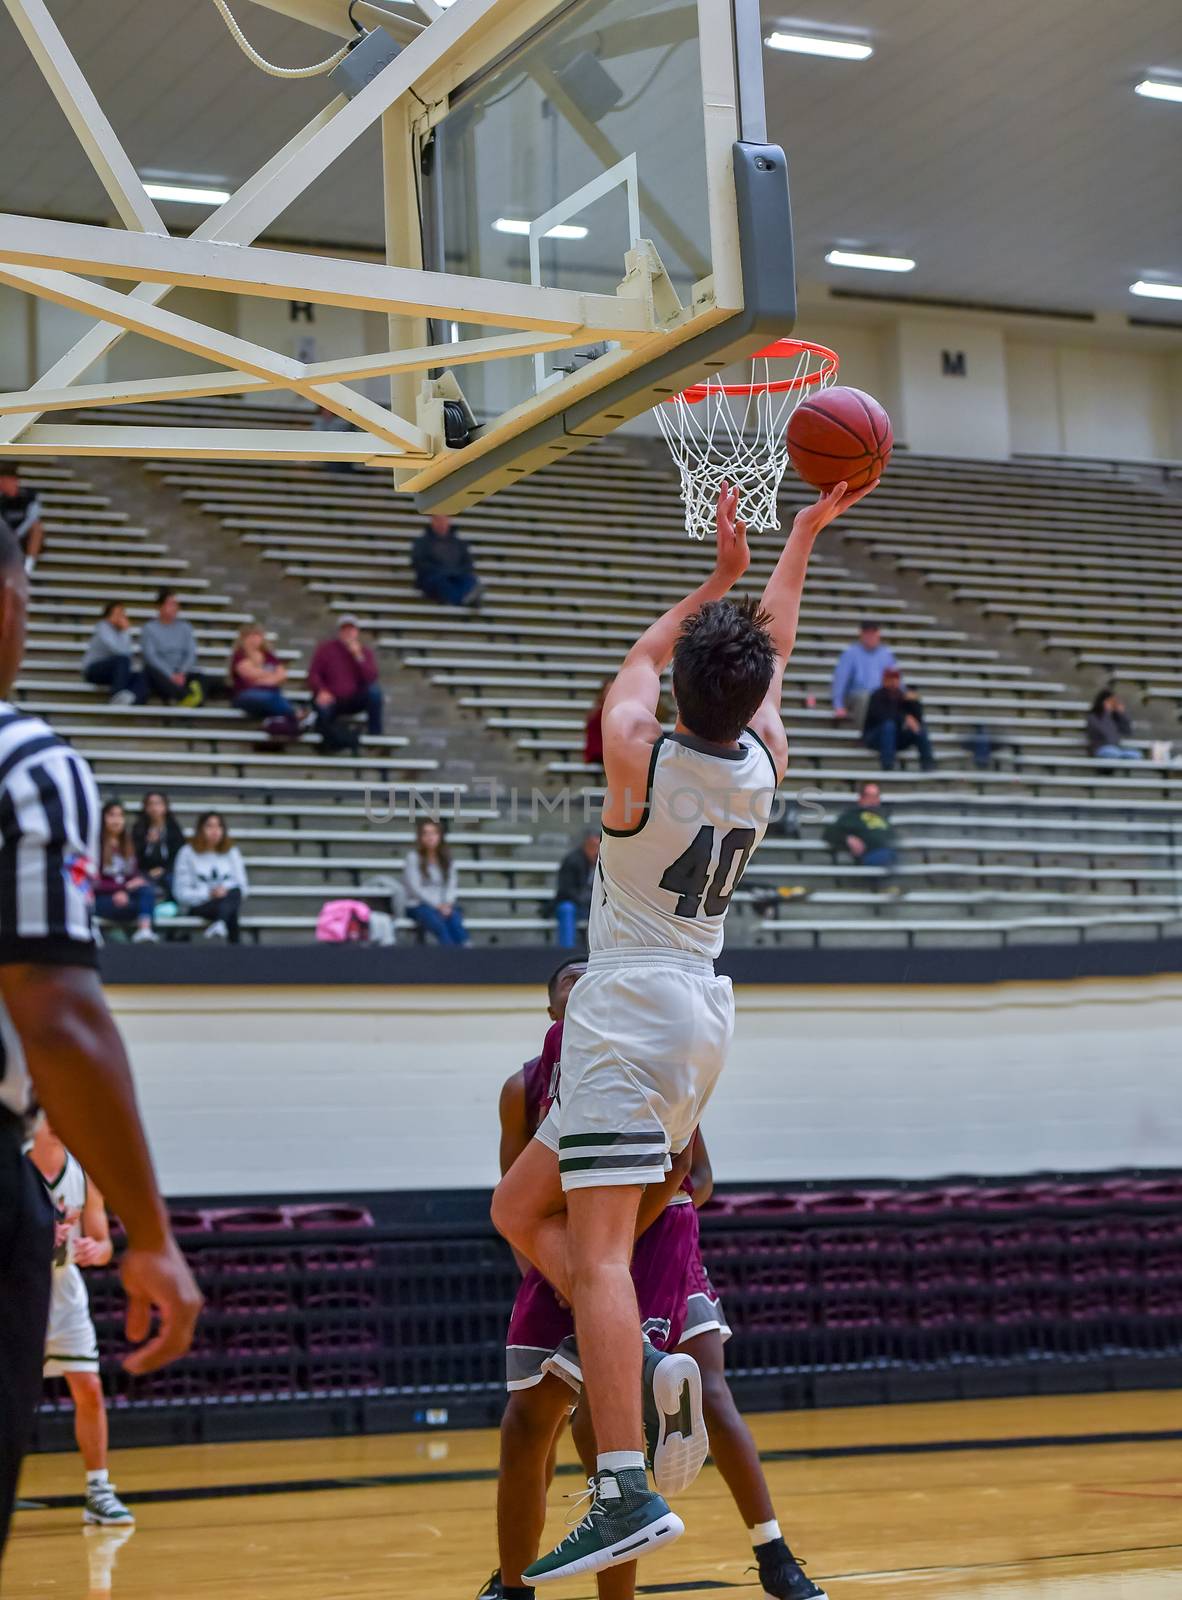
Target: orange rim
x=781, y=350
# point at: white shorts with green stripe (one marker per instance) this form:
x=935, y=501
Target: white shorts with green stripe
x=646, y=1037
x=71, y=1344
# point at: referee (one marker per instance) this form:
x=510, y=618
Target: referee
x=59, y=1042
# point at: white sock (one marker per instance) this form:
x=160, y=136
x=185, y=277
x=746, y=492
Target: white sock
x=94, y=1479
x=765, y=1532
x=620, y=1461
x=30, y=565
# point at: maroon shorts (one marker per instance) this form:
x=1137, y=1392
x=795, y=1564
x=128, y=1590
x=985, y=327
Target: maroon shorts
x=703, y=1308
x=541, y=1331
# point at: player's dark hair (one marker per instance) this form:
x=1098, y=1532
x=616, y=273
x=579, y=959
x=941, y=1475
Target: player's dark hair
x=722, y=668
x=563, y=966
x=164, y=594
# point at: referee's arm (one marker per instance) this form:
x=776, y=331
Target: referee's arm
x=72, y=1049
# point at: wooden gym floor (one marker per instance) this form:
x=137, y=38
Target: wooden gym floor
x=1059, y=1499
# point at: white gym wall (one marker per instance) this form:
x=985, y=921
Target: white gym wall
x=312, y=1090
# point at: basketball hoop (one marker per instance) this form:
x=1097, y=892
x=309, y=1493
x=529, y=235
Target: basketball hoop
x=737, y=432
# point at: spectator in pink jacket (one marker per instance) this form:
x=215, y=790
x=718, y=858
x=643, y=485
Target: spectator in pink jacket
x=343, y=678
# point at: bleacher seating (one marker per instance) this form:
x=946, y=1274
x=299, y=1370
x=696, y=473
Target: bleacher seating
x=850, y=1293
x=1047, y=843
x=1084, y=562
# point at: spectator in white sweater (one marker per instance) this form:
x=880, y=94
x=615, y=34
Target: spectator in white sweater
x=209, y=878
x=432, y=885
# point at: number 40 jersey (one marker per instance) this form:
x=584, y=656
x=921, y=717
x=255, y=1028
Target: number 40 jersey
x=666, y=882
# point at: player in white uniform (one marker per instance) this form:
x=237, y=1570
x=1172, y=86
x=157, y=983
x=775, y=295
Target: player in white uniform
x=82, y=1238
x=648, y=1027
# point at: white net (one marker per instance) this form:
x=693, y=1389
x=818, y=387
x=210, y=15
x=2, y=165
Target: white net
x=737, y=433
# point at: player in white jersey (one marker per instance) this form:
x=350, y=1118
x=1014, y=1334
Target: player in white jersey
x=82, y=1238
x=648, y=1027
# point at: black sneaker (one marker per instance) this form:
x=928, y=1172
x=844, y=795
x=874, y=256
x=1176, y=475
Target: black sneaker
x=494, y=1589
x=626, y=1520
x=781, y=1575
x=674, y=1424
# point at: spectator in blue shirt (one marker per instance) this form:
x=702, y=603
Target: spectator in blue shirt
x=859, y=673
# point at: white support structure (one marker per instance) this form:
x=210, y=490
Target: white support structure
x=435, y=48
x=72, y=92
x=209, y=385
x=199, y=339
x=324, y=280
x=202, y=444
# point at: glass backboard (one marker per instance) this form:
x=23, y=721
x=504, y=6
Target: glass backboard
x=613, y=122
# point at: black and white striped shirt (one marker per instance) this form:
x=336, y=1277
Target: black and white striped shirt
x=49, y=827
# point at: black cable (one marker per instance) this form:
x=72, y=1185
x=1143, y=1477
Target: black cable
x=626, y=105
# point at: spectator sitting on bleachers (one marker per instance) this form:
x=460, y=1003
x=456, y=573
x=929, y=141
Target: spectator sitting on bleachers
x=593, y=729
x=864, y=832
x=859, y=672
x=170, y=654
x=444, y=569
x=20, y=510
x=256, y=679
x=572, y=894
x=209, y=878
x=121, y=891
x=110, y=658
x=431, y=885
x=343, y=678
x=1108, y=726
x=158, y=840
x=894, y=723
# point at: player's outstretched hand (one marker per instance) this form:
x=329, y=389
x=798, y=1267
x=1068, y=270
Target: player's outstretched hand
x=160, y=1281
x=733, y=557
x=827, y=508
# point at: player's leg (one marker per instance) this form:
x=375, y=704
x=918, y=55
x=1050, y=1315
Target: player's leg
x=737, y=1460
x=600, y=1236
x=624, y=1517
x=614, y=1583
x=103, y=1505
x=731, y=1443
x=529, y=1210
x=529, y=1432
x=90, y=1419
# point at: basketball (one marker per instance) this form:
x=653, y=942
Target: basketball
x=840, y=435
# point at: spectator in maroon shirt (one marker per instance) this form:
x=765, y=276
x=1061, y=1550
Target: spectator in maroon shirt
x=343, y=678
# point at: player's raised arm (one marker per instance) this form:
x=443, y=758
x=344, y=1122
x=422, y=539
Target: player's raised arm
x=630, y=725
x=781, y=602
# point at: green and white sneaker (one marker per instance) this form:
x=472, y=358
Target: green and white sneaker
x=104, y=1507
x=674, y=1423
x=626, y=1520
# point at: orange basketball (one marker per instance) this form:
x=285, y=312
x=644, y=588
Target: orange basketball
x=840, y=436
